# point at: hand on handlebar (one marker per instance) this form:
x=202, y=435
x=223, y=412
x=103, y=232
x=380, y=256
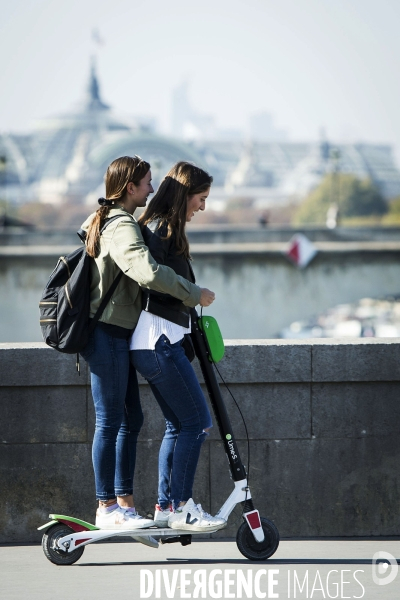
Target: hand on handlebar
x=207, y=297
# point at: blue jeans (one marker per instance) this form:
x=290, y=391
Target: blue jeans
x=179, y=395
x=119, y=416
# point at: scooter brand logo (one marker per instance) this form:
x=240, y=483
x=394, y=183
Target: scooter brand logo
x=228, y=436
x=384, y=568
x=231, y=449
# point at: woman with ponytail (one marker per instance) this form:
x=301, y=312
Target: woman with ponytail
x=161, y=349
x=114, y=383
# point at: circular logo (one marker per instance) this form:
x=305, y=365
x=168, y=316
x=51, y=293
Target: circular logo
x=228, y=436
x=381, y=561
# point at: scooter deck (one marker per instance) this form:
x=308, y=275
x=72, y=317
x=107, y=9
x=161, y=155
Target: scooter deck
x=143, y=531
x=154, y=532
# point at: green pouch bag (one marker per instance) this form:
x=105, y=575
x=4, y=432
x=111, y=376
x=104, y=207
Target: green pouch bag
x=212, y=332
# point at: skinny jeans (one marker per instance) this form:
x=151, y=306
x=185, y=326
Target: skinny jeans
x=119, y=415
x=179, y=395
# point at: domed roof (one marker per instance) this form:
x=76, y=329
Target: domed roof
x=145, y=144
x=71, y=151
x=91, y=112
x=161, y=152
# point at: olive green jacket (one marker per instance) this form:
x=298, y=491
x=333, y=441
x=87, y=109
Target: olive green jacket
x=122, y=248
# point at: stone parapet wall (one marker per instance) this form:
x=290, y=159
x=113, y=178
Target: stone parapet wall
x=323, y=419
x=258, y=291
x=216, y=233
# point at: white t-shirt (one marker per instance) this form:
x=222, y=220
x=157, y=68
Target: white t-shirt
x=151, y=327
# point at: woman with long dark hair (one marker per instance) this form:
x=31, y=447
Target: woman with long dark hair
x=114, y=382
x=160, y=347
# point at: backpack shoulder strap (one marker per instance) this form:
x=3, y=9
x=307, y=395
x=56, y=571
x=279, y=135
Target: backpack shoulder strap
x=113, y=287
x=82, y=233
x=109, y=221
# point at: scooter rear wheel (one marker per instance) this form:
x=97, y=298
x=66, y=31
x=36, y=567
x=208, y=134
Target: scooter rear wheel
x=254, y=550
x=52, y=552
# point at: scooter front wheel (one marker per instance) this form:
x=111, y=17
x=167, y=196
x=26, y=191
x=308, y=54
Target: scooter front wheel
x=253, y=550
x=51, y=550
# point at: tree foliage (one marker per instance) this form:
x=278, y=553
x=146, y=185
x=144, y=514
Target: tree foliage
x=354, y=198
x=393, y=216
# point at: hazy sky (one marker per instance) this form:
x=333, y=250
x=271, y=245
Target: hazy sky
x=311, y=63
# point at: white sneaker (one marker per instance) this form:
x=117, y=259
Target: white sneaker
x=193, y=518
x=121, y=519
x=161, y=515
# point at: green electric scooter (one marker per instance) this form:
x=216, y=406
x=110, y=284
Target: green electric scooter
x=257, y=538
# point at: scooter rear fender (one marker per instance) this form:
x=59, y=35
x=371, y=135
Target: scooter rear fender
x=75, y=524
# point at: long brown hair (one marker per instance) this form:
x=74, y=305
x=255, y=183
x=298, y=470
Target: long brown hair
x=120, y=172
x=169, y=204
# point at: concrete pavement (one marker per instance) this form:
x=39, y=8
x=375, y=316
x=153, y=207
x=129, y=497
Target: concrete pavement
x=216, y=569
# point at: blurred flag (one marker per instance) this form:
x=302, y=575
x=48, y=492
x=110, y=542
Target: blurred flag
x=300, y=250
x=96, y=37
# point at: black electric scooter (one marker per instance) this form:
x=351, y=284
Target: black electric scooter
x=257, y=538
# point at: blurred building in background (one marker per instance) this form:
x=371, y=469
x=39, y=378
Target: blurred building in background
x=65, y=157
x=369, y=317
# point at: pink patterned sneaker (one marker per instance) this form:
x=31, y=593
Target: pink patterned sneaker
x=121, y=519
x=161, y=515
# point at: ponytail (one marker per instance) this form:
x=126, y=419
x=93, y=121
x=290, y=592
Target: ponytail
x=93, y=233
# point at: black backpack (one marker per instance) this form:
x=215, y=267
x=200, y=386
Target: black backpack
x=65, y=302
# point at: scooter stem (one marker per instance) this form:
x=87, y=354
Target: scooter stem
x=225, y=428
